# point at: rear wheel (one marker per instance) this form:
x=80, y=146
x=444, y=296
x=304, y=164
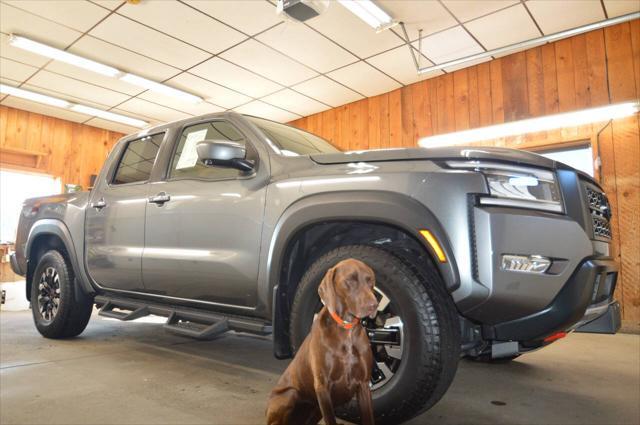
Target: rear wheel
x=59, y=311
x=415, y=335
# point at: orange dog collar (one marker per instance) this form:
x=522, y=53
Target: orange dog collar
x=343, y=323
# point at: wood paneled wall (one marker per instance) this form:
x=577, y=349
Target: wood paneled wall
x=588, y=70
x=72, y=151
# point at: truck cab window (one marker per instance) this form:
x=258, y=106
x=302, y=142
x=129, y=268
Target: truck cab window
x=185, y=163
x=137, y=161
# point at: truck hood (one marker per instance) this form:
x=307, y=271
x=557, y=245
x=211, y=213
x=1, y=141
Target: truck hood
x=445, y=153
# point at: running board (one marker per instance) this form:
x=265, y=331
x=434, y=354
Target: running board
x=108, y=310
x=181, y=320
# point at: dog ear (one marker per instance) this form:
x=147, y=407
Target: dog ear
x=327, y=290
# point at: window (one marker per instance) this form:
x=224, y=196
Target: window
x=291, y=141
x=580, y=157
x=15, y=187
x=185, y=163
x=137, y=161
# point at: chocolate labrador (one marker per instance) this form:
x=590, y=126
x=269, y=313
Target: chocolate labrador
x=334, y=362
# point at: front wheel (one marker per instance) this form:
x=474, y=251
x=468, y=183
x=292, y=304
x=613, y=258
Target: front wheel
x=415, y=335
x=59, y=311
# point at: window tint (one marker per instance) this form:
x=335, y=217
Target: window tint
x=137, y=161
x=185, y=163
x=291, y=141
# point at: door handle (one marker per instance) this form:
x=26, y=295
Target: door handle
x=160, y=198
x=100, y=204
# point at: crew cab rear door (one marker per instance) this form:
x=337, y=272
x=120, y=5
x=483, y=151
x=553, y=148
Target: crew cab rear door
x=204, y=224
x=114, y=228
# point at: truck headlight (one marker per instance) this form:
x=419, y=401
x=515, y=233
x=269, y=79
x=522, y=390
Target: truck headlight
x=516, y=186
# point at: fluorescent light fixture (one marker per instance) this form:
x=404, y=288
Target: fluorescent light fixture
x=61, y=55
x=369, y=12
x=549, y=122
x=60, y=103
x=36, y=97
x=109, y=115
x=160, y=88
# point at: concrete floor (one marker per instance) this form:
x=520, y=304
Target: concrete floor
x=136, y=373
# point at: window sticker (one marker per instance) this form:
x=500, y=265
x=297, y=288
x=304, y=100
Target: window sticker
x=189, y=155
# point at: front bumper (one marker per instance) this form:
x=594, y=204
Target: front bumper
x=587, y=296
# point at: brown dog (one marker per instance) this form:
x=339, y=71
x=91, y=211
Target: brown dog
x=334, y=362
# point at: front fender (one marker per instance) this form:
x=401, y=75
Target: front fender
x=390, y=208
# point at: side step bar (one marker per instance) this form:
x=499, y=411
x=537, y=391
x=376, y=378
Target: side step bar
x=182, y=321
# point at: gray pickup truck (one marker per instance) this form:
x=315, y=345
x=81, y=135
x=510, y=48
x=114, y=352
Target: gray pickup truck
x=228, y=222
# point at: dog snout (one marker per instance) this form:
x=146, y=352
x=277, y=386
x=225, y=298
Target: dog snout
x=372, y=308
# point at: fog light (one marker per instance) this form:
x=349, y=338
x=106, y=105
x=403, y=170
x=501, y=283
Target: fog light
x=525, y=264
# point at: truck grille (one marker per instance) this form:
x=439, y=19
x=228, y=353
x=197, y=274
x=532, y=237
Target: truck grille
x=600, y=212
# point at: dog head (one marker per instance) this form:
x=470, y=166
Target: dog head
x=347, y=288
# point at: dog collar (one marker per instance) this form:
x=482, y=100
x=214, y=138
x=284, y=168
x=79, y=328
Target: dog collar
x=343, y=323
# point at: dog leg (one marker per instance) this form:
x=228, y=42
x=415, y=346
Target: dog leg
x=366, y=404
x=326, y=405
x=281, y=407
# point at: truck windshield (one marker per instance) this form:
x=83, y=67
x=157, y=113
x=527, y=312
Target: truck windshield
x=290, y=141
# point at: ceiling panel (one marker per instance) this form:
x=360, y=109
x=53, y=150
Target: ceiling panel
x=249, y=16
x=307, y=46
x=448, y=45
x=77, y=88
x=430, y=16
x=54, y=93
x=134, y=36
x=503, y=28
x=364, y=78
x=193, y=27
x=327, y=91
x=621, y=7
x=123, y=59
x=150, y=110
x=466, y=10
x=264, y=110
x=349, y=31
x=467, y=64
x=209, y=91
x=399, y=64
x=15, y=70
x=79, y=15
x=39, y=108
x=295, y=102
x=554, y=16
x=13, y=20
x=108, y=4
x=200, y=108
x=268, y=63
x=93, y=78
x=234, y=77
x=113, y=126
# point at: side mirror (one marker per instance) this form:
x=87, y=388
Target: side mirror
x=224, y=153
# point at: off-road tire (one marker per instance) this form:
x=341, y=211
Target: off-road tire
x=74, y=309
x=431, y=329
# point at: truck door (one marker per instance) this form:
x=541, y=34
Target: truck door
x=204, y=224
x=115, y=216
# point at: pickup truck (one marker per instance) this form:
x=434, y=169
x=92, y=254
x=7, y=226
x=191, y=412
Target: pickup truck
x=228, y=222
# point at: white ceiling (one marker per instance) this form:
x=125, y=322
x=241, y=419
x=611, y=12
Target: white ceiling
x=240, y=55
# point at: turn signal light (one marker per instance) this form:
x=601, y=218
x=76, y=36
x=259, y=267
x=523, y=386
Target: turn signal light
x=434, y=244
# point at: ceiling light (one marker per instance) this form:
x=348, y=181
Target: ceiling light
x=60, y=103
x=36, y=97
x=160, y=88
x=549, y=122
x=109, y=115
x=369, y=12
x=61, y=55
